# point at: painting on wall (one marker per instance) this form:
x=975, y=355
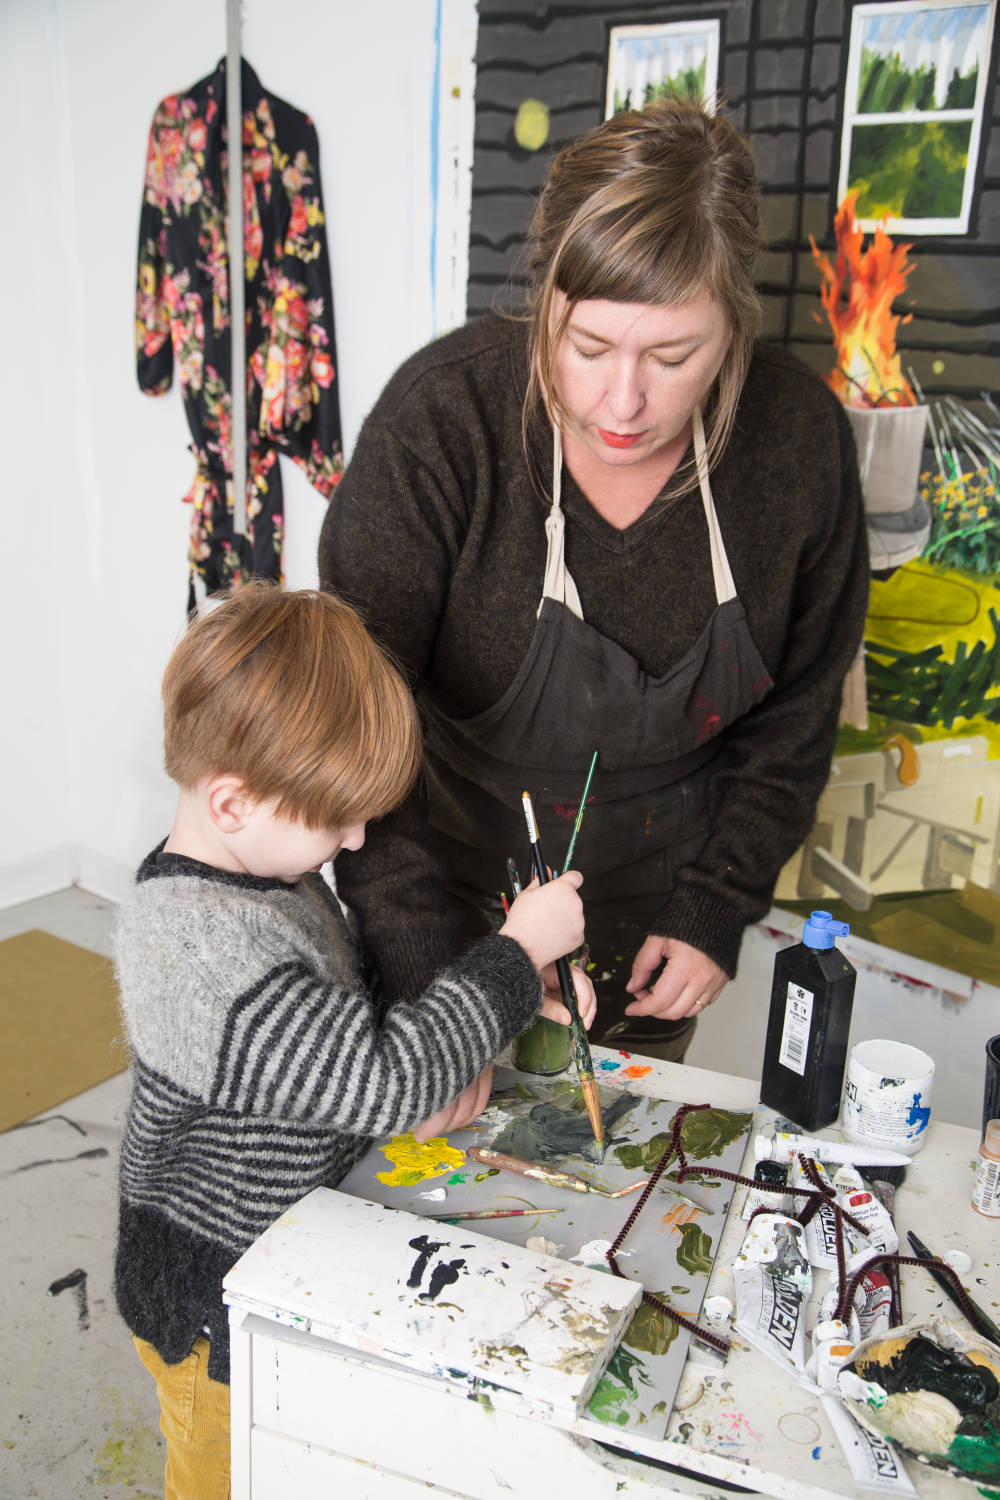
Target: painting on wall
x=907, y=831
x=915, y=92
x=679, y=58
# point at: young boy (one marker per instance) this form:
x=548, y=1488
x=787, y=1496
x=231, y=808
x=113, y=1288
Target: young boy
x=262, y=1067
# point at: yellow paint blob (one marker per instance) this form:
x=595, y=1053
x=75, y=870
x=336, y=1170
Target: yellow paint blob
x=531, y=127
x=415, y=1163
x=938, y=367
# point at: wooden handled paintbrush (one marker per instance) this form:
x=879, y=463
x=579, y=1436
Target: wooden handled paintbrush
x=551, y=1175
x=578, y=1035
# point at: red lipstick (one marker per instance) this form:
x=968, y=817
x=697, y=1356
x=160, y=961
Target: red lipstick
x=619, y=439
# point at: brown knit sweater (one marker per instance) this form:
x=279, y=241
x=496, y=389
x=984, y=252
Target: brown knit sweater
x=436, y=533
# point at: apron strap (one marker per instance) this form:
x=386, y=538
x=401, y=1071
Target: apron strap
x=558, y=583
x=725, y=588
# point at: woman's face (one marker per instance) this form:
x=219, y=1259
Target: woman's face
x=629, y=376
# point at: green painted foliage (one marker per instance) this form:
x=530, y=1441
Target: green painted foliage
x=910, y=170
x=921, y=687
x=887, y=86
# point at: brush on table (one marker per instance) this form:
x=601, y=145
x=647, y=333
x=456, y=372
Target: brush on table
x=883, y=1182
x=554, y=1176
x=943, y=1274
x=578, y=1034
x=459, y=1216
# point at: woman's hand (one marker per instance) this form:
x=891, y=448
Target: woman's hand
x=461, y=1112
x=690, y=980
x=553, y=1008
x=547, y=920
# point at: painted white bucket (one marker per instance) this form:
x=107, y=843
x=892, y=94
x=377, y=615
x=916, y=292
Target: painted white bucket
x=887, y=1095
x=890, y=444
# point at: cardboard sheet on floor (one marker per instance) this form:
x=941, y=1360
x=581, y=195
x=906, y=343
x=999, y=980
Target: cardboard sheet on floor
x=59, y=1018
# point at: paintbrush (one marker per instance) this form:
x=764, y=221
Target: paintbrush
x=581, y=1047
x=460, y=1215
x=980, y=1320
x=579, y=813
x=883, y=1182
x=552, y=1175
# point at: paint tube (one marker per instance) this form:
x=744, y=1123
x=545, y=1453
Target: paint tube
x=784, y=1146
x=874, y=1304
x=773, y=1282
x=828, y=1305
x=832, y=1348
x=873, y=1461
x=772, y=1174
x=821, y=1231
x=869, y=1211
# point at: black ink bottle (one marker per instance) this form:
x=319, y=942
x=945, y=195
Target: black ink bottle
x=805, y=1052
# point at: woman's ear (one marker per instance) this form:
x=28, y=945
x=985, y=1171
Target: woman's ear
x=229, y=803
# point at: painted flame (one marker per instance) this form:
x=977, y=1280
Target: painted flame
x=857, y=294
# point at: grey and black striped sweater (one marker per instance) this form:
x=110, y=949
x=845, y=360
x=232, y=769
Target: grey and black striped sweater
x=262, y=1069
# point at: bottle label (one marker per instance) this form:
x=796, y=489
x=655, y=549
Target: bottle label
x=795, y=1032
x=986, y=1192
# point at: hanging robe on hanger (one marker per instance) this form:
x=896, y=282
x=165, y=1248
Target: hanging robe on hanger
x=183, y=317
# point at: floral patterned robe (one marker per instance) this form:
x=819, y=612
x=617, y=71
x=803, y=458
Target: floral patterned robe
x=183, y=313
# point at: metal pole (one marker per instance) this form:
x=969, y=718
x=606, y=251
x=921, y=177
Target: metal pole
x=237, y=312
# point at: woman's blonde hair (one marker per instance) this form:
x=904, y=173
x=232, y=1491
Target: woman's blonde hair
x=652, y=207
x=289, y=692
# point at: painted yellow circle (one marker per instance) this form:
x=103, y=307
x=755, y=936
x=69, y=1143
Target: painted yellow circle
x=938, y=367
x=531, y=127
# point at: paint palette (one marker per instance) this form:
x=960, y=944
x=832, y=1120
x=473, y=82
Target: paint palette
x=934, y=1389
x=670, y=1250
x=521, y=1328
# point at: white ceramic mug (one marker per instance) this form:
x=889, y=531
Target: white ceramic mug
x=887, y=1095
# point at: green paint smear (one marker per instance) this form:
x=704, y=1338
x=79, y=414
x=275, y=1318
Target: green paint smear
x=976, y=1455
x=704, y=1134
x=607, y=1402
x=695, y=1251
x=629, y=1369
x=618, y=1388
x=650, y=1330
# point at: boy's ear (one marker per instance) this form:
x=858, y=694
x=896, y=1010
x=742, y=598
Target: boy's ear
x=229, y=803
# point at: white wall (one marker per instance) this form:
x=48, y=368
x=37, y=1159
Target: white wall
x=95, y=531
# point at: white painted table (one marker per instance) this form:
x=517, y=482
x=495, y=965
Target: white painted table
x=314, y=1419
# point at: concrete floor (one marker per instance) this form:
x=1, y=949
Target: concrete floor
x=78, y=1414
x=80, y=1419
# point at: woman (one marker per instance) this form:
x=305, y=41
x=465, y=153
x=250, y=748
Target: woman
x=529, y=524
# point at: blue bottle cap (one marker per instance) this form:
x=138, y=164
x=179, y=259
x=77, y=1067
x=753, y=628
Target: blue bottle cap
x=821, y=929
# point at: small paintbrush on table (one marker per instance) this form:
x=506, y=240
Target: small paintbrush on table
x=980, y=1320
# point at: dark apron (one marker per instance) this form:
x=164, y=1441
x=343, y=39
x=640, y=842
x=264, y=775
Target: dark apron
x=659, y=748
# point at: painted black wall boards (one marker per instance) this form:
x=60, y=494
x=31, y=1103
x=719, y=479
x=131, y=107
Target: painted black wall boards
x=782, y=71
